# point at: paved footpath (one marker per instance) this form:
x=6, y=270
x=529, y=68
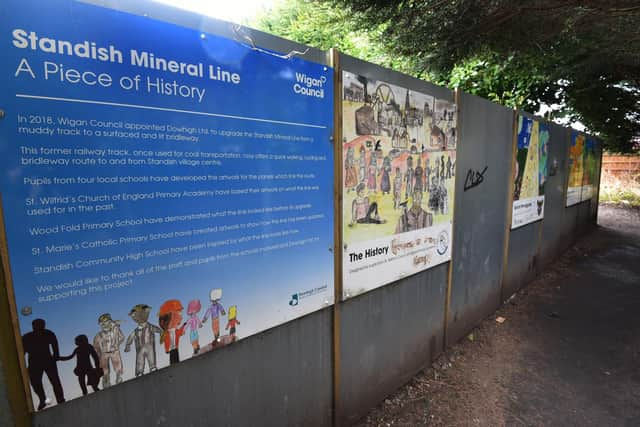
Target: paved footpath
x=568, y=353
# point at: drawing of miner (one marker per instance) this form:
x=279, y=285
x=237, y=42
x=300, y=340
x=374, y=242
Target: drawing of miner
x=418, y=175
x=385, y=181
x=438, y=197
x=107, y=344
x=449, y=167
x=215, y=310
x=428, y=174
x=372, y=172
x=362, y=163
x=143, y=337
x=408, y=178
x=414, y=218
x=397, y=189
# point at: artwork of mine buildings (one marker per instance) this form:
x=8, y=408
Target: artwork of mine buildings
x=354, y=93
x=382, y=114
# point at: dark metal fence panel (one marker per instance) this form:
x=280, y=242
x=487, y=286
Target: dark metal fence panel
x=486, y=134
x=554, y=234
x=387, y=336
x=522, y=258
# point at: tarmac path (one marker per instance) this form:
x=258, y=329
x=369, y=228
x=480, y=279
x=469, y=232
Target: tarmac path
x=567, y=353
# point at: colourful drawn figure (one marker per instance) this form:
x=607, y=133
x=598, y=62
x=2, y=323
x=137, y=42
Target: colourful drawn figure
x=543, y=148
x=438, y=199
x=372, y=172
x=385, y=181
x=436, y=137
x=169, y=317
x=107, y=344
x=350, y=171
x=194, y=324
x=397, y=189
x=576, y=159
x=41, y=348
x=232, y=321
x=143, y=337
x=408, y=178
x=214, y=311
x=363, y=212
x=362, y=164
x=590, y=162
x=418, y=176
x=525, y=129
x=87, y=373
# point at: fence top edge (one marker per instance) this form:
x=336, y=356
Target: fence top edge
x=207, y=24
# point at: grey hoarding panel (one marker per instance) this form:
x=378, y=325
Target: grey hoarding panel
x=554, y=235
x=486, y=135
x=522, y=259
x=387, y=335
x=584, y=217
x=276, y=378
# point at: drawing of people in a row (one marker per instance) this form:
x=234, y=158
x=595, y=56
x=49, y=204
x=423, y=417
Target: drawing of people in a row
x=102, y=357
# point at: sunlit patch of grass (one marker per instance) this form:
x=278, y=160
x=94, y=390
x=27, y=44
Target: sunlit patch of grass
x=620, y=191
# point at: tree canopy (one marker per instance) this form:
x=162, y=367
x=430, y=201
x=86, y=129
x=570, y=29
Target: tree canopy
x=582, y=58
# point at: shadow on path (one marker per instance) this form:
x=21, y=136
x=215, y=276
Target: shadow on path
x=582, y=361
x=567, y=354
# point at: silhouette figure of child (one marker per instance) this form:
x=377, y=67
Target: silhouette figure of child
x=87, y=373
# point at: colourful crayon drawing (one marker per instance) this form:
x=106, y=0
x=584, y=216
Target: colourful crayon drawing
x=579, y=186
x=102, y=359
x=531, y=171
x=576, y=160
x=591, y=168
x=399, y=162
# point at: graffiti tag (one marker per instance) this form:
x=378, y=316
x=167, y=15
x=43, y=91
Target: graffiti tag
x=474, y=178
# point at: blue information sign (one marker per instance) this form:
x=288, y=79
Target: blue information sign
x=165, y=192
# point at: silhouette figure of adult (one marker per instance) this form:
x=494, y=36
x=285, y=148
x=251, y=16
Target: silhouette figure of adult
x=41, y=346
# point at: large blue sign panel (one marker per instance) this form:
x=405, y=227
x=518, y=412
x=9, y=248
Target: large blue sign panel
x=165, y=192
